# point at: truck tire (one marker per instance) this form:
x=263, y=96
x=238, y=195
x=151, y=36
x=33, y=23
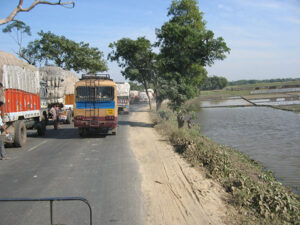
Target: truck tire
x=55, y=125
x=82, y=132
x=20, y=133
x=114, y=131
x=41, y=130
x=69, y=117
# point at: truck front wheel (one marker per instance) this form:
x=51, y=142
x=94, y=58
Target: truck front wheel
x=114, y=131
x=41, y=130
x=20, y=133
x=82, y=132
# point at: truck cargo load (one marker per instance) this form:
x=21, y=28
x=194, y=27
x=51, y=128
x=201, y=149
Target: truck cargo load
x=21, y=97
x=59, y=83
x=134, y=96
x=123, y=92
x=60, y=90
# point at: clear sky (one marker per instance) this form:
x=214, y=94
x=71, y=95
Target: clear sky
x=264, y=35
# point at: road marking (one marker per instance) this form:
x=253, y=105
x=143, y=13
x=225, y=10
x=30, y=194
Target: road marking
x=31, y=149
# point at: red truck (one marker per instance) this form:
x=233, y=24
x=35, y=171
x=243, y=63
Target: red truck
x=22, y=103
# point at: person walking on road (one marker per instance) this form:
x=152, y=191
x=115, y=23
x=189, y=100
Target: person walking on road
x=57, y=115
x=2, y=100
x=54, y=116
x=2, y=149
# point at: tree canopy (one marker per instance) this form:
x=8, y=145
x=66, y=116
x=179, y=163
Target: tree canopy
x=65, y=53
x=19, y=28
x=186, y=47
x=135, y=86
x=136, y=58
x=213, y=83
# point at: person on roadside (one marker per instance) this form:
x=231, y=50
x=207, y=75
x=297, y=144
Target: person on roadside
x=2, y=100
x=189, y=123
x=54, y=116
x=57, y=115
x=2, y=149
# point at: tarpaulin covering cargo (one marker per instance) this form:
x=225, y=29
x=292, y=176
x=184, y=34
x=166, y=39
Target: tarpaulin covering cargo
x=143, y=96
x=134, y=94
x=59, y=83
x=123, y=88
x=21, y=88
x=21, y=78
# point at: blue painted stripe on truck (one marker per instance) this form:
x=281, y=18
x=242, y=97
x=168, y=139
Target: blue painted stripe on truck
x=95, y=105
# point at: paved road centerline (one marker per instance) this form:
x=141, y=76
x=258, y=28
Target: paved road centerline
x=34, y=147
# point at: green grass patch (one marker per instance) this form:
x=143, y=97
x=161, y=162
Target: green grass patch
x=292, y=108
x=274, y=84
x=254, y=191
x=221, y=94
x=242, y=90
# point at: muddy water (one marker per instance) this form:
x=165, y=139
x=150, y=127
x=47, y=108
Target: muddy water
x=223, y=103
x=268, y=135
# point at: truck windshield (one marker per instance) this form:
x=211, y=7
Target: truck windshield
x=95, y=93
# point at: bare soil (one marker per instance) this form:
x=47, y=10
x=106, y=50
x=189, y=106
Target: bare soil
x=174, y=192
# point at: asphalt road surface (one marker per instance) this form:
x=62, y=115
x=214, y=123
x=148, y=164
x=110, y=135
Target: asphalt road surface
x=101, y=169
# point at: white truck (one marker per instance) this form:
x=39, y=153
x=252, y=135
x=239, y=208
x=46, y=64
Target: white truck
x=143, y=98
x=123, y=91
x=59, y=90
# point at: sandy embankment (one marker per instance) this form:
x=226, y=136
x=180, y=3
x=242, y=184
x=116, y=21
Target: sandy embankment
x=174, y=192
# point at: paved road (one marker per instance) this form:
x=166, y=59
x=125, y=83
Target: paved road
x=100, y=168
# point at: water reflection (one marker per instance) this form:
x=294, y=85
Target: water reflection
x=223, y=103
x=268, y=135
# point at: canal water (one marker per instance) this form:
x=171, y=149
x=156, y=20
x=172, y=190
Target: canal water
x=268, y=135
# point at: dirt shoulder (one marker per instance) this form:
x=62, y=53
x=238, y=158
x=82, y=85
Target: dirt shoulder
x=174, y=192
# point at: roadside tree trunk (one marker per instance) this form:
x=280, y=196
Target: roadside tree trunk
x=180, y=120
x=149, y=99
x=158, y=104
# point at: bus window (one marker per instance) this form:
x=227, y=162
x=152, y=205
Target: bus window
x=85, y=94
x=105, y=93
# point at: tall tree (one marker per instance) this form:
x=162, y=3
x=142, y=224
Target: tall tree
x=186, y=47
x=65, y=53
x=213, y=83
x=20, y=8
x=19, y=28
x=137, y=60
x=135, y=86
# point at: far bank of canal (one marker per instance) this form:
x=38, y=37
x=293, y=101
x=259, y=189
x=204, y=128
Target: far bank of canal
x=267, y=135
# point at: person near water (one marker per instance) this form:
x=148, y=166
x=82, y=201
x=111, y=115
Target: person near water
x=189, y=122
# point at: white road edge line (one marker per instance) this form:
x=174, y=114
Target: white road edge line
x=31, y=149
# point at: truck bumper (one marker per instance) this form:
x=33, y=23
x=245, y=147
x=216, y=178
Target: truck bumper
x=96, y=123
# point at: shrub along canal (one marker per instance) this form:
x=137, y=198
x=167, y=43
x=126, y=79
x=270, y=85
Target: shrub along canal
x=267, y=135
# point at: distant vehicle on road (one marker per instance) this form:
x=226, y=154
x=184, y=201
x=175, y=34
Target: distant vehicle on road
x=143, y=98
x=96, y=106
x=134, y=96
x=123, y=91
